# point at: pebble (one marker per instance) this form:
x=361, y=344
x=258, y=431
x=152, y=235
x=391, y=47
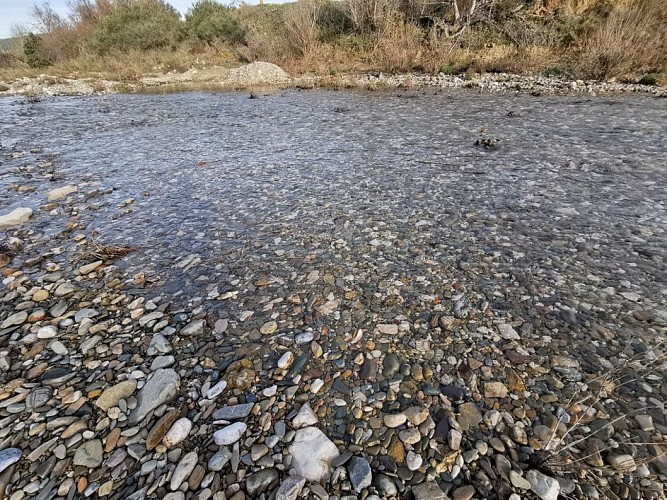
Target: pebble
x=216, y=390
x=179, y=431
x=230, y=434
x=394, y=420
x=260, y=481
x=290, y=488
x=89, y=454
x=183, y=470
x=112, y=395
x=305, y=417
x=235, y=412
x=47, y=332
x=9, y=456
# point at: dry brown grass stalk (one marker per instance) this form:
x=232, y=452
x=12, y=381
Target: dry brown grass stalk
x=632, y=39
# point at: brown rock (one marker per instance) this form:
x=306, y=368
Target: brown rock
x=514, y=381
x=240, y=374
x=160, y=428
x=469, y=416
x=397, y=452
x=112, y=439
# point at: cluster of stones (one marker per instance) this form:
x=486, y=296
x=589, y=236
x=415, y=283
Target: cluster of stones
x=309, y=385
x=500, y=82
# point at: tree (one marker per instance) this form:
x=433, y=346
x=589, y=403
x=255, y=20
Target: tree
x=207, y=20
x=137, y=25
x=32, y=51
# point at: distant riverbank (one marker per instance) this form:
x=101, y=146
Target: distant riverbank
x=266, y=76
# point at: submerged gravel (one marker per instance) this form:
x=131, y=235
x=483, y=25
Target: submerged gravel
x=333, y=295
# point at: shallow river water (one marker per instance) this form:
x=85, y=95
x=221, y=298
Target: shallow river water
x=382, y=180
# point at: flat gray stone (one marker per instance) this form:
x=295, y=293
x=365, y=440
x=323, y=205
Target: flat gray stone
x=428, y=491
x=545, y=487
x=193, y=328
x=89, y=454
x=290, y=488
x=15, y=217
x=161, y=388
x=233, y=412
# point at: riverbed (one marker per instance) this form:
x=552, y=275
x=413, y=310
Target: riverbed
x=476, y=263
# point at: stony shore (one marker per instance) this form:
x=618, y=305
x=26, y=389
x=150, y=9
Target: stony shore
x=427, y=358
x=267, y=76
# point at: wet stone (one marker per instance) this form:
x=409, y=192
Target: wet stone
x=235, y=412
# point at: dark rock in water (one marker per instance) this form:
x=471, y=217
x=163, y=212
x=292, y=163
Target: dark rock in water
x=452, y=391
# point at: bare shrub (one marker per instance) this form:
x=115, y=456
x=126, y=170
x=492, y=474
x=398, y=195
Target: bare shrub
x=301, y=28
x=370, y=15
x=399, y=46
x=632, y=38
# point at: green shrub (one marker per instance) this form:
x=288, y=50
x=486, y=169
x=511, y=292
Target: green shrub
x=447, y=69
x=208, y=21
x=32, y=46
x=648, y=80
x=137, y=25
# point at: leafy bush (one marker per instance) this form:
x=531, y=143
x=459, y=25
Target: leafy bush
x=648, y=80
x=447, y=69
x=32, y=52
x=137, y=25
x=208, y=21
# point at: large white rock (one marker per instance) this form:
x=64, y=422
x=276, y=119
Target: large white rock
x=230, y=434
x=179, y=431
x=61, y=193
x=305, y=417
x=312, y=453
x=545, y=487
x=15, y=217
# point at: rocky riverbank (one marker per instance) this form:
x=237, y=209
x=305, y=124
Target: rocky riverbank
x=379, y=333
x=269, y=76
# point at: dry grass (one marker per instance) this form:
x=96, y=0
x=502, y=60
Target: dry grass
x=131, y=66
x=300, y=21
x=632, y=39
x=582, y=38
x=399, y=47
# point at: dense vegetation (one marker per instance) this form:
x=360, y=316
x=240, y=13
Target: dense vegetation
x=578, y=38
